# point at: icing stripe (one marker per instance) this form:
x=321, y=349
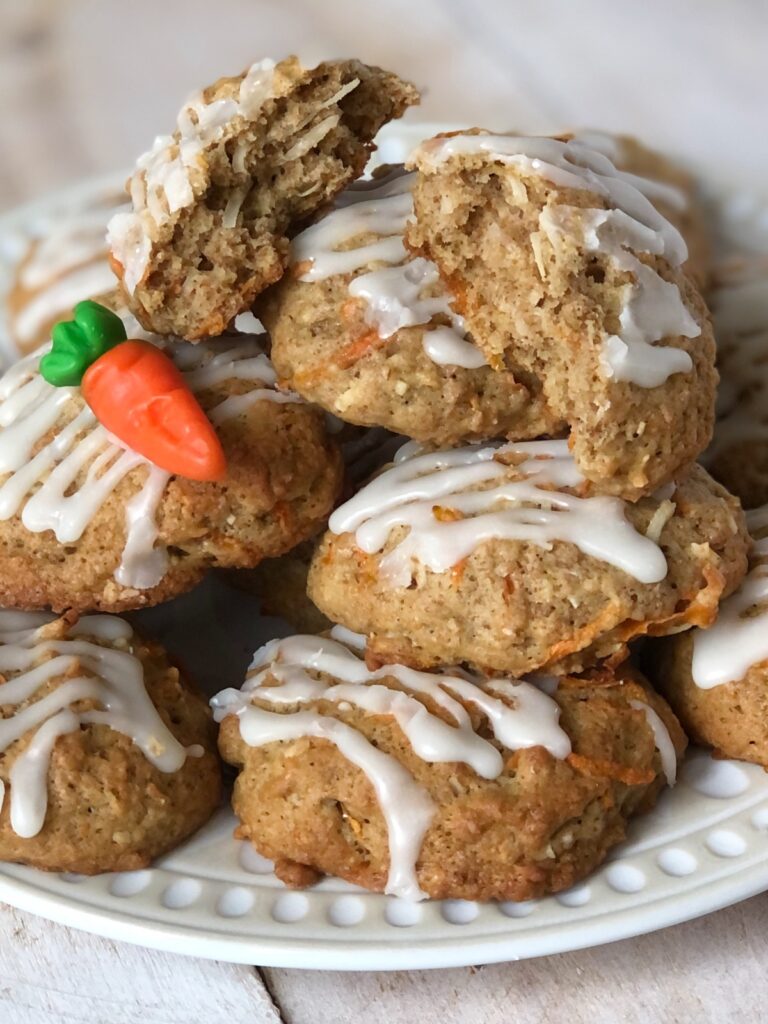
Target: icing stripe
x=533, y=506
x=67, y=480
x=520, y=715
x=394, y=295
x=62, y=259
x=31, y=658
x=726, y=651
x=662, y=739
x=613, y=147
x=406, y=806
x=60, y=296
x=652, y=308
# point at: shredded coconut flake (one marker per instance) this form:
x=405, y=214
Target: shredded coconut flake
x=233, y=207
x=312, y=137
x=659, y=520
x=537, y=254
x=343, y=91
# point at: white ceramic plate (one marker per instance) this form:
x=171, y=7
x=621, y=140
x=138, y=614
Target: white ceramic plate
x=705, y=846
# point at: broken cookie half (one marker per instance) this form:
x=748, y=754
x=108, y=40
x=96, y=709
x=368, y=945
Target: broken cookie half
x=251, y=157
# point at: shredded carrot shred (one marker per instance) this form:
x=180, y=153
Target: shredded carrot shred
x=611, y=770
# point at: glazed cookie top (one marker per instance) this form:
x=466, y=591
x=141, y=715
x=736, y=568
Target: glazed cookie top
x=563, y=269
x=60, y=258
x=59, y=464
x=59, y=677
x=648, y=171
x=497, y=556
x=370, y=333
x=625, y=223
x=296, y=687
x=403, y=290
x=250, y=157
x=668, y=186
x=738, y=640
x=452, y=501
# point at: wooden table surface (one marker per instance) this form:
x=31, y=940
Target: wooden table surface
x=84, y=85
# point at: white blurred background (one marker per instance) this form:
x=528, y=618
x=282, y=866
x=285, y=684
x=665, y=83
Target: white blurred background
x=86, y=84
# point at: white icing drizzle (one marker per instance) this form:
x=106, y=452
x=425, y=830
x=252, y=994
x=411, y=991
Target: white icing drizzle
x=405, y=805
x=65, y=262
x=43, y=487
x=662, y=739
x=28, y=776
x=66, y=242
x=33, y=657
x=143, y=563
x=726, y=651
x=394, y=293
x=528, y=503
x=652, y=308
x=444, y=347
x=615, y=149
x=60, y=296
x=256, y=88
x=740, y=310
x=348, y=637
x=519, y=715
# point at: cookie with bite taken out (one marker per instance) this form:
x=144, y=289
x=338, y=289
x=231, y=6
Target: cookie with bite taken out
x=564, y=270
x=371, y=335
x=251, y=157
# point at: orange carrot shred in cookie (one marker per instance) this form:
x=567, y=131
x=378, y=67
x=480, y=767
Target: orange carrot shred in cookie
x=610, y=769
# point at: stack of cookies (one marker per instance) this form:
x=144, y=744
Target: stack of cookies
x=523, y=311
x=133, y=461
x=510, y=334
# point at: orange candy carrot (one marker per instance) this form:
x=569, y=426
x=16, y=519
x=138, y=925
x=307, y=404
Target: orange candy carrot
x=135, y=391
x=141, y=397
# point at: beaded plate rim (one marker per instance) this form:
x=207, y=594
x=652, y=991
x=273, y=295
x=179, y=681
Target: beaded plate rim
x=694, y=854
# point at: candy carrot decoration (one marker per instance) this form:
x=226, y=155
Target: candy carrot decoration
x=135, y=391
